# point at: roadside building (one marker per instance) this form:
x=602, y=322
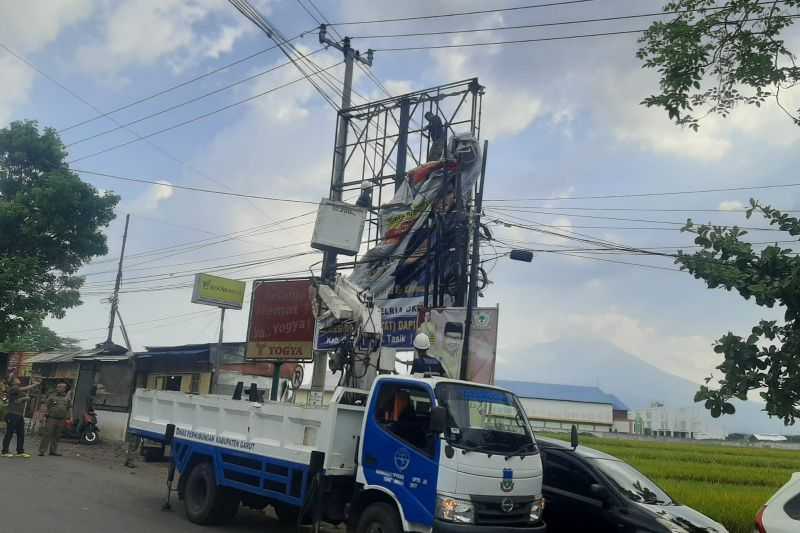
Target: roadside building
x=188, y=368
x=558, y=407
x=691, y=422
x=764, y=437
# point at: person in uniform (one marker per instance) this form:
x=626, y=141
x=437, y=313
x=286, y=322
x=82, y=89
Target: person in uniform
x=424, y=363
x=15, y=415
x=58, y=406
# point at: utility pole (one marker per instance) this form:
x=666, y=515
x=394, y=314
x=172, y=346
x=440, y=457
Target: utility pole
x=472, y=293
x=340, y=151
x=337, y=180
x=115, y=297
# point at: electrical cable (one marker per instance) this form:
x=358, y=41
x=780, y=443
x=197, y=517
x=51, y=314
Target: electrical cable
x=179, y=85
x=194, y=189
x=462, y=13
x=551, y=24
x=646, y=194
x=195, y=118
x=187, y=102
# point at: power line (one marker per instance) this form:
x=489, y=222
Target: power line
x=194, y=119
x=525, y=208
x=100, y=112
x=511, y=41
x=461, y=13
x=142, y=322
x=623, y=219
x=178, y=86
x=195, y=189
x=646, y=194
x=549, y=24
x=187, y=102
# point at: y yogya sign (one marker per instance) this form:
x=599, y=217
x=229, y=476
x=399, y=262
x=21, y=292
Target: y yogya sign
x=281, y=321
x=219, y=292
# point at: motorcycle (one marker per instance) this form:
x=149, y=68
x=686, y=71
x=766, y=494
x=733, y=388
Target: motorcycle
x=85, y=430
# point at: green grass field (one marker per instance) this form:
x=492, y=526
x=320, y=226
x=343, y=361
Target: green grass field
x=727, y=483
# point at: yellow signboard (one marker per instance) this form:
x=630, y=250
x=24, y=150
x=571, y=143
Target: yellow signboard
x=219, y=292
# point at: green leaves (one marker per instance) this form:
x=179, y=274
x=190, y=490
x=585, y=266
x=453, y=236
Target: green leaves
x=50, y=224
x=713, y=56
x=768, y=359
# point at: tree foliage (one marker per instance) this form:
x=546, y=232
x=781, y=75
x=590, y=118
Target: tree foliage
x=767, y=359
x=50, y=225
x=712, y=56
x=39, y=338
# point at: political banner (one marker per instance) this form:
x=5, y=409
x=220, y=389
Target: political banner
x=399, y=324
x=446, y=329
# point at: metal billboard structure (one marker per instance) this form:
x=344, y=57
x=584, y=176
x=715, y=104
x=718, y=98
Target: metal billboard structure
x=387, y=138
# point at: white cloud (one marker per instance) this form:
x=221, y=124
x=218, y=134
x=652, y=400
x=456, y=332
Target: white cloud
x=731, y=205
x=142, y=32
x=151, y=199
x=30, y=26
x=17, y=81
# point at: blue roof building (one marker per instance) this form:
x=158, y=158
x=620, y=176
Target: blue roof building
x=553, y=406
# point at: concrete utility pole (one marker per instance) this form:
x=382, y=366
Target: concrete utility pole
x=115, y=297
x=337, y=181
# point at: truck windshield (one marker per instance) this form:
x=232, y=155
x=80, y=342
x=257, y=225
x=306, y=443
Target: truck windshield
x=484, y=419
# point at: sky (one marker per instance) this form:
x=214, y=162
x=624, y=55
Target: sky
x=562, y=118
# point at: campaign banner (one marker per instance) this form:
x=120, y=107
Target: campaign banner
x=399, y=323
x=446, y=329
x=282, y=321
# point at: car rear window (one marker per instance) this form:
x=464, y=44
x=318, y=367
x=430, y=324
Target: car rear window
x=792, y=507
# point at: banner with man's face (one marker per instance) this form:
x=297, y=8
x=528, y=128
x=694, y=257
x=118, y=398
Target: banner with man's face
x=446, y=329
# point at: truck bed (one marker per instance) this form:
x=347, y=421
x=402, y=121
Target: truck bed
x=277, y=430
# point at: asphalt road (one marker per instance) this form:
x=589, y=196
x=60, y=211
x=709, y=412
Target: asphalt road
x=89, y=490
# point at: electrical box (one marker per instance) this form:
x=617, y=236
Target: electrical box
x=339, y=227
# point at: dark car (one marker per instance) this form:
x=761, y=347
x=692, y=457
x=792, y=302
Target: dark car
x=589, y=491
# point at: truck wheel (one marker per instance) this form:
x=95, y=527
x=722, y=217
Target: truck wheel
x=204, y=501
x=379, y=518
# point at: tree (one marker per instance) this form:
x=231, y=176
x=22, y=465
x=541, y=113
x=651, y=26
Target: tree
x=39, y=339
x=767, y=359
x=711, y=57
x=50, y=225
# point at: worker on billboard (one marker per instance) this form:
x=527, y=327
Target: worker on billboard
x=435, y=131
x=424, y=363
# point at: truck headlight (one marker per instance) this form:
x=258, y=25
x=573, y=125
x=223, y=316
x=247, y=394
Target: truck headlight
x=454, y=510
x=536, y=510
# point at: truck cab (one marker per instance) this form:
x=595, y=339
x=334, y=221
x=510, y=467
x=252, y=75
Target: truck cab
x=448, y=456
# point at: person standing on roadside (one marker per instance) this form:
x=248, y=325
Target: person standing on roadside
x=15, y=416
x=58, y=406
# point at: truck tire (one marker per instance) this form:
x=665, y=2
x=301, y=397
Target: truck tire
x=379, y=517
x=205, y=502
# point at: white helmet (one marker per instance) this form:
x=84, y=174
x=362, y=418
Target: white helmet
x=422, y=342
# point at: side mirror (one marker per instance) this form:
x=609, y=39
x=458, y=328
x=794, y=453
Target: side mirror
x=599, y=491
x=438, y=419
x=573, y=437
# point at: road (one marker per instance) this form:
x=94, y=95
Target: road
x=89, y=490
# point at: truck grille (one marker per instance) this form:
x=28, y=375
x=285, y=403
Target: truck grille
x=489, y=510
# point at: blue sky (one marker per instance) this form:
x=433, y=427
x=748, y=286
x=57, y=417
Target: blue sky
x=562, y=119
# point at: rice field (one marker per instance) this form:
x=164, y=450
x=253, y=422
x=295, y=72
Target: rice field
x=727, y=483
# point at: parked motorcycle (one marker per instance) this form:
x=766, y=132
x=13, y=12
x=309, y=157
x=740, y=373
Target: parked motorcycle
x=85, y=430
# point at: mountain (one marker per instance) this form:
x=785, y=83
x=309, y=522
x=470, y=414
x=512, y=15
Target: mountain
x=598, y=363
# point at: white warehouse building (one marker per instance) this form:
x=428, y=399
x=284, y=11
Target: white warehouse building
x=559, y=407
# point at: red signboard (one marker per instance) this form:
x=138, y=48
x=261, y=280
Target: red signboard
x=281, y=320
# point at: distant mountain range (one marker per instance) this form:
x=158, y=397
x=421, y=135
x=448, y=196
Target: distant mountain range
x=637, y=383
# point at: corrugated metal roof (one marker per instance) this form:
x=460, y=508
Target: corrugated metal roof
x=53, y=357
x=567, y=393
